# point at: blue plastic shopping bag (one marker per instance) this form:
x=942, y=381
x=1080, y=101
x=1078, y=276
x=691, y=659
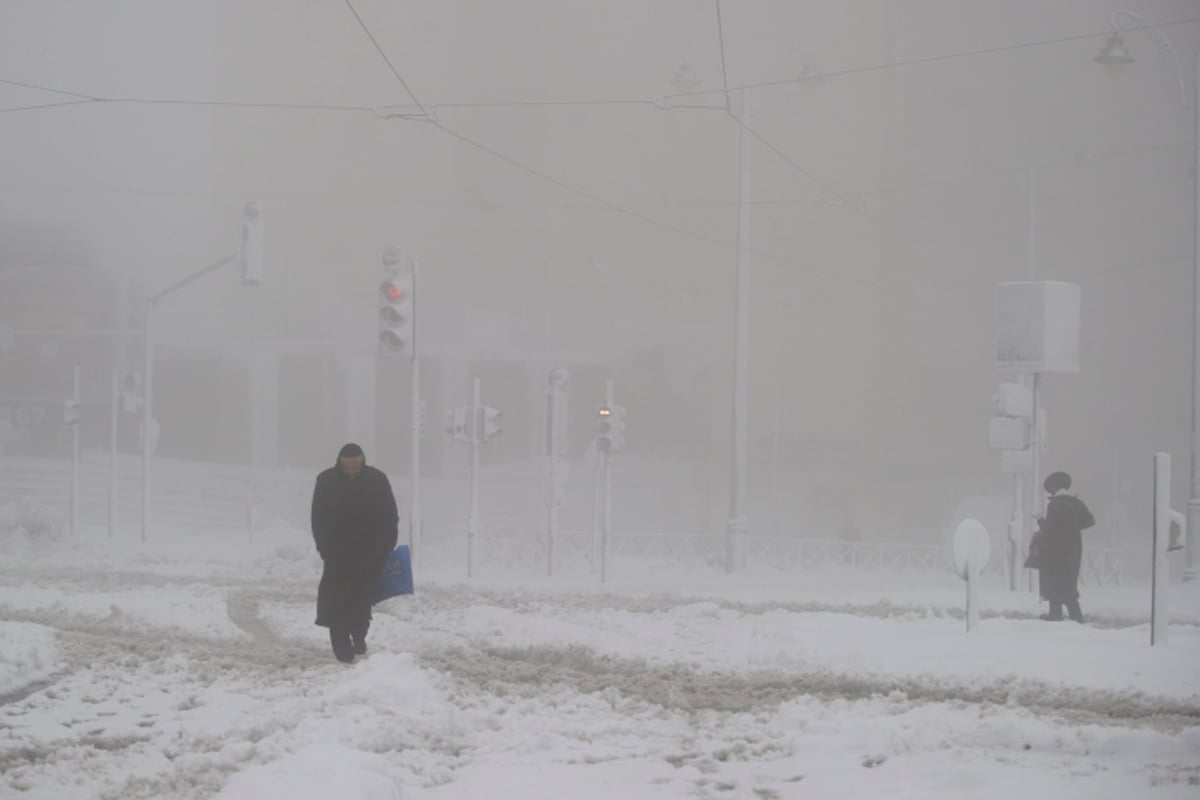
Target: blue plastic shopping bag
x=397, y=577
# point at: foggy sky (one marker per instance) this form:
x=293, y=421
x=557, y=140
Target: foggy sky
x=931, y=150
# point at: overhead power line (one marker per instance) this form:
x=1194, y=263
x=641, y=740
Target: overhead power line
x=520, y=165
x=724, y=67
x=41, y=88
x=661, y=102
x=36, y=106
x=383, y=54
x=739, y=119
x=928, y=59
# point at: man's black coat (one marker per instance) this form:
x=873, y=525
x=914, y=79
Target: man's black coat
x=354, y=525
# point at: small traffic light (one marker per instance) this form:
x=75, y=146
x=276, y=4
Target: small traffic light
x=250, y=252
x=396, y=317
x=612, y=428
x=456, y=423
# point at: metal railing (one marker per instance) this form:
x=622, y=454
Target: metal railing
x=193, y=496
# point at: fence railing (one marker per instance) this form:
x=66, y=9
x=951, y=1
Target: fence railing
x=194, y=496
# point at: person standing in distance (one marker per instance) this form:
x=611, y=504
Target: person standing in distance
x=1062, y=549
x=354, y=521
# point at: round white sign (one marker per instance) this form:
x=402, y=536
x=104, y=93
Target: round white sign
x=972, y=548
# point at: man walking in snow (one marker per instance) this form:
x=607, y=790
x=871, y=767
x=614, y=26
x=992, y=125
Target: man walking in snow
x=1061, y=547
x=354, y=520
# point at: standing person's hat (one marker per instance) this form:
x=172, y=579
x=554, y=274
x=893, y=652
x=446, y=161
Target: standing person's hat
x=1056, y=482
x=350, y=450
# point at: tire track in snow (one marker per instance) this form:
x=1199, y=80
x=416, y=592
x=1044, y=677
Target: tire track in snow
x=527, y=671
x=86, y=638
x=29, y=689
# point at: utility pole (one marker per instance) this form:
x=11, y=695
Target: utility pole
x=73, y=420
x=250, y=258
x=737, y=526
x=475, y=414
x=555, y=473
x=113, y=416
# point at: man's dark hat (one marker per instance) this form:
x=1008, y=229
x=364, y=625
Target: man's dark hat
x=350, y=450
x=1056, y=482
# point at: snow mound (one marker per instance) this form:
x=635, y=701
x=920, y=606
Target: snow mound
x=28, y=521
x=316, y=772
x=28, y=654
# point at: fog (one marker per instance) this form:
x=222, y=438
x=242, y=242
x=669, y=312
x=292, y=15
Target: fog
x=566, y=175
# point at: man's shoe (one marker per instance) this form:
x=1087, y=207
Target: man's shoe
x=1050, y=618
x=360, y=645
x=343, y=649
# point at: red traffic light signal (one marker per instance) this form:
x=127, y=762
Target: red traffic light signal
x=396, y=312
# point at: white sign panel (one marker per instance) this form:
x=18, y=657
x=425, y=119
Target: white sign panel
x=1008, y=433
x=1016, y=462
x=1037, y=326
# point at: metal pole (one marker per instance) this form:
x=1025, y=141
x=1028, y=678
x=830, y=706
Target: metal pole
x=597, y=520
x=414, y=506
x=147, y=403
x=75, y=457
x=776, y=435
x=972, y=597
x=1019, y=523
x=1039, y=502
x=1016, y=530
x=550, y=480
x=548, y=474
x=1193, y=510
x=1161, y=534
x=736, y=527
x=555, y=464
x=148, y=376
x=112, y=454
x=606, y=508
x=476, y=435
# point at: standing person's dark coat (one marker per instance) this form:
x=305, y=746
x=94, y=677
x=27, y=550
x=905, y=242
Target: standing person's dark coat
x=1061, y=548
x=354, y=521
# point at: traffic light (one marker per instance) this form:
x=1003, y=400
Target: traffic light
x=612, y=428
x=456, y=424
x=396, y=317
x=71, y=412
x=250, y=253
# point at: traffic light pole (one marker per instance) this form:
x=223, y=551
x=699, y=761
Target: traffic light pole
x=115, y=399
x=75, y=459
x=602, y=535
x=414, y=506
x=606, y=542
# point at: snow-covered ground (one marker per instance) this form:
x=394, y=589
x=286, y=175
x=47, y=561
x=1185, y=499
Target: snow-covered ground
x=189, y=667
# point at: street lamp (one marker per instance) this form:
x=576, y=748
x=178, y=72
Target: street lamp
x=250, y=256
x=1115, y=58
